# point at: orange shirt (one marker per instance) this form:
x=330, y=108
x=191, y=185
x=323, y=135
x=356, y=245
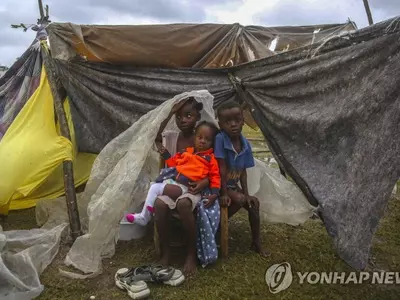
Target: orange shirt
x=197, y=166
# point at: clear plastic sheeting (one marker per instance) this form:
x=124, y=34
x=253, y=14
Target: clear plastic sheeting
x=25, y=254
x=280, y=200
x=120, y=179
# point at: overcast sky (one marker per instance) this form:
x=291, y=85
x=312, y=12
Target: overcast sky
x=13, y=42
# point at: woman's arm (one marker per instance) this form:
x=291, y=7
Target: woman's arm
x=162, y=127
x=164, y=123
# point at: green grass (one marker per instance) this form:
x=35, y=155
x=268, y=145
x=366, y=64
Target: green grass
x=241, y=275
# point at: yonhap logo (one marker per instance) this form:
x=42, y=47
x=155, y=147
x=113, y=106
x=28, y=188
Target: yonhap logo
x=279, y=277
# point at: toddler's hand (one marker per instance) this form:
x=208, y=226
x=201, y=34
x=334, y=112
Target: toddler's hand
x=195, y=187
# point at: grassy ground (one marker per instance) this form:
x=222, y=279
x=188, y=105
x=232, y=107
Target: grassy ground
x=241, y=275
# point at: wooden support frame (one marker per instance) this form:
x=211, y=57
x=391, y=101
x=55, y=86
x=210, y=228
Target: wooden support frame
x=224, y=227
x=368, y=12
x=68, y=170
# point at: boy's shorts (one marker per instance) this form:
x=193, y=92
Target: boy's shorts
x=234, y=187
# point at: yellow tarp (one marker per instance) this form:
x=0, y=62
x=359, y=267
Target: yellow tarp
x=32, y=152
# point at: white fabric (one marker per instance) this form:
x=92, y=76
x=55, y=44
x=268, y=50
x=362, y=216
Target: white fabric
x=170, y=139
x=121, y=176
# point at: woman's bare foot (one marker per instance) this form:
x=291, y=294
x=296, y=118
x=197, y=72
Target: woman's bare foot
x=190, y=266
x=164, y=260
x=256, y=247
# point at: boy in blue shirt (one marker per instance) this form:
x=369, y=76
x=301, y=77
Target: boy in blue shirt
x=234, y=155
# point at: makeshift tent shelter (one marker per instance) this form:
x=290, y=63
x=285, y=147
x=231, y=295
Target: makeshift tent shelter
x=183, y=45
x=196, y=45
x=330, y=112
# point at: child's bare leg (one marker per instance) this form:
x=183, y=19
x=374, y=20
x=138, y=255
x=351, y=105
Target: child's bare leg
x=162, y=219
x=186, y=214
x=254, y=220
x=172, y=191
x=238, y=200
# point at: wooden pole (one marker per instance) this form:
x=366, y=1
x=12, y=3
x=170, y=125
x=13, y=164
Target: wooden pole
x=368, y=11
x=41, y=9
x=224, y=232
x=69, y=184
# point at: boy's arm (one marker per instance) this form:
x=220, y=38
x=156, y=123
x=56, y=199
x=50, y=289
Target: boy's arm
x=219, y=156
x=243, y=182
x=249, y=163
x=223, y=171
x=223, y=175
x=219, y=153
x=251, y=200
x=162, y=127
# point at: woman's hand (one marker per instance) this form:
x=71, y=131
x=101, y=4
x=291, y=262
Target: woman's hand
x=177, y=106
x=160, y=148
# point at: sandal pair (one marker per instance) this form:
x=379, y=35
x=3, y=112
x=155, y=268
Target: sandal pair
x=133, y=280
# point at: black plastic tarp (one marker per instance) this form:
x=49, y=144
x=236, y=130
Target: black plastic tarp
x=331, y=115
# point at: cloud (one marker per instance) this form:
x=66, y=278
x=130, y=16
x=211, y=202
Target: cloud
x=295, y=12
x=384, y=9
x=300, y=12
x=386, y=5
x=93, y=12
x=266, y=13
x=305, y=12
